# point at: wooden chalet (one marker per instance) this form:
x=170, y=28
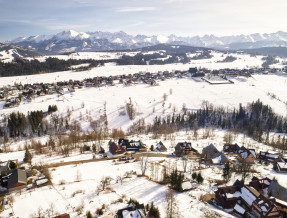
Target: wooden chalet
x=116, y=149
x=260, y=184
x=131, y=211
x=246, y=155
x=17, y=180
x=219, y=158
x=160, y=147
x=231, y=148
x=270, y=157
x=184, y=148
x=209, y=151
x=280, y=166
x=227, y=196
x=264, y=207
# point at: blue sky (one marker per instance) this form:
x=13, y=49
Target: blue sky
x=180, y=17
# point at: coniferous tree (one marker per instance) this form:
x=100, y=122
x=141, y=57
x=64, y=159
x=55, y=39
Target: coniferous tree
x=28, y=156
x=199, y=178
x=194, y=175
x=226, y=172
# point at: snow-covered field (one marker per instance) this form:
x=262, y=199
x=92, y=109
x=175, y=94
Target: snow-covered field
x=149, y=99
x=242, y=61
x=89, y=103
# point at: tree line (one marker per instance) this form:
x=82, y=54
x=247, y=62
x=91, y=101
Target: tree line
x=22, y=66
x=253, y=120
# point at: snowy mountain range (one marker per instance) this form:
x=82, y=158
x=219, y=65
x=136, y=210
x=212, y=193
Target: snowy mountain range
x=72, y=41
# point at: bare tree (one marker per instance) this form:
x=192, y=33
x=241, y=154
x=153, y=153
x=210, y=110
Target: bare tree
x=244, y=169
x=184, y=163
x=11, y=201
x=164, y=97
x=195, y=132
x=131, y=111
x=120, y=178
x=171, y=205
x=143, y=164
x=78, y=176
x=228, y=137
x=104, y=182
x=152, y=167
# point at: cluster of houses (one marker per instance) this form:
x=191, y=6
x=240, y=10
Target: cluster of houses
x=124, y=145
x=259, y=198
x=13, y=177
x=14, y=94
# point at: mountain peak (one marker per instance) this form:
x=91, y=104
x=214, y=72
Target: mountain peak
x=99, y=41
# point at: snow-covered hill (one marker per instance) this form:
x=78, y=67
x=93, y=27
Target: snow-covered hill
x=10, y=52
x=69, y=41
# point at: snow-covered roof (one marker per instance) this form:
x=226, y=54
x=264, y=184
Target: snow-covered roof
x=132, y=214
x=234, y=195
x=282, y=165
x=239, y=209
x=247, y=196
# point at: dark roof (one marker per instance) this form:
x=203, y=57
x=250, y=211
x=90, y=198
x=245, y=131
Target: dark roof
x=123, y=142
x=277, y=191
x=211, y=147
x=238, y=183
x=17, y=176
x=132, y=207
x=222, y=157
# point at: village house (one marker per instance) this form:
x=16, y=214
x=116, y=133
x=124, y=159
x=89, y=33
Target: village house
x=227, y=196
x=160, y=147
x=116, y=149
x=132, y=210
x=210, y=152
x=270, y=157
x=17, y=180
x=134, y=146
x=184, y=148
x=246, y=155
x=219, y=158
x=263, y=207
x=7, y=166
x=260, y=184
x=280, y=166
x=231, y=148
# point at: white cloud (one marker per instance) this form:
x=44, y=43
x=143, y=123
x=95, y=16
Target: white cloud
x=135, y=9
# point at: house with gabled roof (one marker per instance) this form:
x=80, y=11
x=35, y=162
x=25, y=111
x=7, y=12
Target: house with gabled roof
x=160, y=147
x=209, y=151
x=184, y=148
x=270, y=157
x=219, y=158
x=17, y=180
x=280, y=166
x=260, y=184
x=246, y=155
x=227, y=196
x=231, y=148
x=116, y=149
x=264, y=207
x=132, y=211
x=123, y=142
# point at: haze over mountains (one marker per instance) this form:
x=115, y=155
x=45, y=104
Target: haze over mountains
x=72, y=41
